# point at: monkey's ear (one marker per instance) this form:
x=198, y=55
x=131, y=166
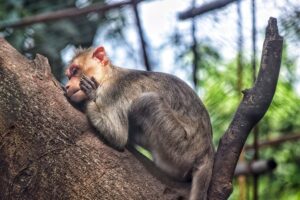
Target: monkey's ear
x=100, y=54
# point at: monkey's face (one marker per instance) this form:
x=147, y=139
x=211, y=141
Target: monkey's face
x=92, y=63
x=73, y=91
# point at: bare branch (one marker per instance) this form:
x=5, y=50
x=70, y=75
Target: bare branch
x=141, y=35
x=276, y=141
x=255, y=167
x=65, y=13
x=204, y=9
x=254, y=105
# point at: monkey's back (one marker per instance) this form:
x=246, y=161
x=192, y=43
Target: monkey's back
x=161, y=113
x=181, y=98
x=184, y=104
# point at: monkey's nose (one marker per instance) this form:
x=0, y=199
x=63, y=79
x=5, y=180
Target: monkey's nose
x=65, y=89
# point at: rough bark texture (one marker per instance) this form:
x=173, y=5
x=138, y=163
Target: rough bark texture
x=254, y=105
x=49, y=151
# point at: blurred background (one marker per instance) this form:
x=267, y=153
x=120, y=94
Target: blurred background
x=214, y=45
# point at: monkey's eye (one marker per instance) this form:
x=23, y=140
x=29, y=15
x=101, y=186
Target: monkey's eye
x=74, y=69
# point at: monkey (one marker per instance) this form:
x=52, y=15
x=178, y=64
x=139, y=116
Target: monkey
x=154, y=110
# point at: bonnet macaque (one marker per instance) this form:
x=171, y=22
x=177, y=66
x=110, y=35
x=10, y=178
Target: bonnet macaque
x=154, y=110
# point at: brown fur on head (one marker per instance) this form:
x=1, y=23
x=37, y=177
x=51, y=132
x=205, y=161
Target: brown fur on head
x=92, y=62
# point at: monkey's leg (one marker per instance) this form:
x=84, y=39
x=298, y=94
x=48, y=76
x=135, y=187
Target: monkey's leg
x=201, y=178
x=110, y=123
x=153, y=125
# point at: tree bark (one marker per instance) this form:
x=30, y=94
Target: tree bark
x=254, y=105
x=49, y=151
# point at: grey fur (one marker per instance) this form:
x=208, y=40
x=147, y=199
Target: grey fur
x=162, y=114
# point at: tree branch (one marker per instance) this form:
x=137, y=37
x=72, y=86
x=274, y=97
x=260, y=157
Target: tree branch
x=204, y=9
x=292, y=137
x=141, y=35
x=65, y=13
x=255, y=167
x=254, y=105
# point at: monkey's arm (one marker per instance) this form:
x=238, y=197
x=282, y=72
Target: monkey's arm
x=107, y=121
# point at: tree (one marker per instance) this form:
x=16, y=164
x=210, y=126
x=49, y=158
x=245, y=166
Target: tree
x=49, y=151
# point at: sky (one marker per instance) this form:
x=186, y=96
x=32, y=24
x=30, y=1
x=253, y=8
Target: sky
x=159, y=20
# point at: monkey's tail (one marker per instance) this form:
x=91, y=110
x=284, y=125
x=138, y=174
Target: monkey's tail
x=202, y=173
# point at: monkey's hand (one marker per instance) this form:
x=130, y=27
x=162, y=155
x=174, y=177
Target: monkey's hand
x=89, y=87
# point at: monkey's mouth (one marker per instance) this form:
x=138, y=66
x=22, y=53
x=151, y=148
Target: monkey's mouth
x=71, y=92
x=77, y=96
x=74, y=92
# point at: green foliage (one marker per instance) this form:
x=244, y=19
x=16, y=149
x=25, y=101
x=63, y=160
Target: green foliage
x=219, y=86
x=143, y=151
x=285, y=180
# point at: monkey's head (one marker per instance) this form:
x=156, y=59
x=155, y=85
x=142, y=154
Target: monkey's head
x=89, y=62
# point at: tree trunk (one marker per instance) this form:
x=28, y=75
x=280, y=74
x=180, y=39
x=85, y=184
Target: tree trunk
x=49, y=151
